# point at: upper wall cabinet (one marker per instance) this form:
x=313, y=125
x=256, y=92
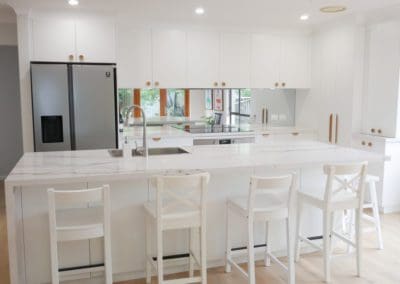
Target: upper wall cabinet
x=95, y=40
x=265, y=61
x=169, y=59
x=53, y=40
x=235, y=60
x=280, y=62
x=295, y=71
x=134, y=58
x=75, y=41
x=203, y=60
x=382, y=114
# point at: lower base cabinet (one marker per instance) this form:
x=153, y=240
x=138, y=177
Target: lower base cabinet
x=388, y=186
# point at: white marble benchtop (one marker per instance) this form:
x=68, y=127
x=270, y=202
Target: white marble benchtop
x=98, y=165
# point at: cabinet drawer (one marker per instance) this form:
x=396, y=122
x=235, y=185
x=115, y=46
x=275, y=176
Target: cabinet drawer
x=369, y=143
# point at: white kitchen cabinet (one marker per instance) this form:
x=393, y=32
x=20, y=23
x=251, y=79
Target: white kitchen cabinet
x=295, y=67
x=95, y=41
x=134, y=58
x=381, y=113
x=203, y=59
x=388, y=186
x=280, y=61
x=169, y=58
x=265, y=61
x=53, y=40
x=235, y=60
x=62, y=40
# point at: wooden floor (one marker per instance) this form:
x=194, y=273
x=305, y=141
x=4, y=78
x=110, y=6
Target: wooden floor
x=380, y=267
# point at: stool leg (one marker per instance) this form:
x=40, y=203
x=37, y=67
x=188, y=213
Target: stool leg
x=191, y=250
x=327, y=245
x=203, y=252
x=290, y=253
x=250, y=251
x=358, y=240
x=228, y=267
x=267, y=258
x=107, y=258
x=160, y=270
x=298, y=229
x=54, y=261
x=148, y=251
x=375, y=211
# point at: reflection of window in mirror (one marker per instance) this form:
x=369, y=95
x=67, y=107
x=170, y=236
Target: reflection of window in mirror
x=175, y=105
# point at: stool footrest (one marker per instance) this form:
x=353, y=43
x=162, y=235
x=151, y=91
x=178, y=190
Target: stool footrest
x=173, y=256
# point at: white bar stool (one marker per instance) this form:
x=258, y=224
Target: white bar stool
x=70, y=223
x=180, y=204
x=344, y=190
x=348, y=219
x=263, y=204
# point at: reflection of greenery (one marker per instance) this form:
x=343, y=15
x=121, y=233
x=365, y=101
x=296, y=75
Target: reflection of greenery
x=175, y=102
x=125, y=99
x=245, y=93
x=150, y=101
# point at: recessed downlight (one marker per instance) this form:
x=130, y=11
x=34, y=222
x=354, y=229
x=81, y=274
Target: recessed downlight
x=199, y=11
x=333, y=9
x=73, y=2
x=304, y=17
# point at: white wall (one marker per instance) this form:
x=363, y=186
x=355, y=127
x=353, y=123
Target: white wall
x=8, y=34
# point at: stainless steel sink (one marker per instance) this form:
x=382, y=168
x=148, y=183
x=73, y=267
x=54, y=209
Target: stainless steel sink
x=118, y=153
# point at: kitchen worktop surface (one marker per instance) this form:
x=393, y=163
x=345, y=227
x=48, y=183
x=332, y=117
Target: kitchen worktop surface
x=98, y=165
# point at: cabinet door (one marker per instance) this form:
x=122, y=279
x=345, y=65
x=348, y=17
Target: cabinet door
x=53, y=40
x=134, y=58
x=296, y=62
x=202, y=60
x=382, y=80
x=235, y=60
x=95, y=41
x=169, y=59
x=265, y=61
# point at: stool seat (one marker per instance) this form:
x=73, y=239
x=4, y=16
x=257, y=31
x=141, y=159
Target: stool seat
x=268, y=204
x=342, y=199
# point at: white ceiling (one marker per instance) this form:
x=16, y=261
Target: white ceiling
x=229, y=13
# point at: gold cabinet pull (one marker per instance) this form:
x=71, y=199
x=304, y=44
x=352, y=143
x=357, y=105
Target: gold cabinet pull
x=148, y=83
x=71, y=57
x=295, y=133
x=215, y=84
x=156, y=83
x=283, y=84
x=379, y=131
x=276, y=85
x=373, y=130
x=363, y=143
x=265, y=135
x=370, y=144
x=81, y=57
x=156, y=139
x=223, y=84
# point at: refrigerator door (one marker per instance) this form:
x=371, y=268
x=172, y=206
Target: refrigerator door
x=50, y=100
x=94, y=107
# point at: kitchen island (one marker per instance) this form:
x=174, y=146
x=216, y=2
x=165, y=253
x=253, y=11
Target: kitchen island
x=230, y=166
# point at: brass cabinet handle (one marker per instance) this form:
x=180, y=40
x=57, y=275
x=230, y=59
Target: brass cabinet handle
x=276, y=84
x=156, y=139
x=215, y=84
x=373, y=130
x=265, y=135
x=379, y=131
x=369, y=144
x=81, y=57
x=156, y=83
x=71, y=57
x=295, y=133
x=363, y=143
x=148, y=83
x=283, y=84
x=223, y=84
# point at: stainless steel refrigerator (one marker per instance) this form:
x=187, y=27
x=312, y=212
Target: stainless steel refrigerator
x=74, y=106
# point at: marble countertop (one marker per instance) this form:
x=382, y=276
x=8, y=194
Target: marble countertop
x=98, y=165
x=136, y=132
